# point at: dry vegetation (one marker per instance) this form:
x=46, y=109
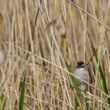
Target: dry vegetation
x=37, y=37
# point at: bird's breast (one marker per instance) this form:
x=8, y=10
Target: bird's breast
x=82, y=73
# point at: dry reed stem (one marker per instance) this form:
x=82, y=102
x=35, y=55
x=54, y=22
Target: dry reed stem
x=30, y=47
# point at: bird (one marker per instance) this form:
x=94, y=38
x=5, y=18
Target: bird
x=82, y=72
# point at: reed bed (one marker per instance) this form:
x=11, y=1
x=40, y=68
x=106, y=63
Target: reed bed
x=38, y=38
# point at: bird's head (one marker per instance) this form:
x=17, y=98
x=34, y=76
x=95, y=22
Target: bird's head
x=80, y=64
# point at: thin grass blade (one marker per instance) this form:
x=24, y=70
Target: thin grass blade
x=74, y=82
x=76, y=103
x=21, y=100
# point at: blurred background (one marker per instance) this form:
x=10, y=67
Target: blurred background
x=37, y=37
